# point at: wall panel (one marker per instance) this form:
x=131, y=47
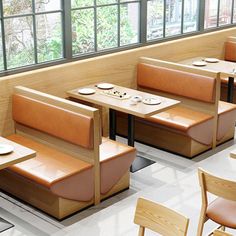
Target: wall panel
x=118, y=68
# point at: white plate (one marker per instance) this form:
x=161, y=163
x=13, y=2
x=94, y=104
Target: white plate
x=86, y=91
x=5, y=149
x=105, y=86
x=151, y=101
x=211, y=60
x=199, y=63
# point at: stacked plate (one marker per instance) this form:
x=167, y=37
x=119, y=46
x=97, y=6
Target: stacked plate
x=5, y=149
x=86, y=91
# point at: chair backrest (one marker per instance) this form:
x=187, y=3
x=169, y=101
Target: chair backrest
x=230, y=49
x=159, y=219
x=221, y=233
x=218, y=186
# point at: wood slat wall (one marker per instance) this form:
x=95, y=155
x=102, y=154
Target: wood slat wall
x=118, y=68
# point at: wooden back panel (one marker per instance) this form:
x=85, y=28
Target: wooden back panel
x=89, y=155
x=206, y=107
x=160, y=219
x=220, y=187
x=221, y=233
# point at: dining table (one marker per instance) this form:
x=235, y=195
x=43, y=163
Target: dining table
x=12, y=153
x=133, y=102
x=226, y=68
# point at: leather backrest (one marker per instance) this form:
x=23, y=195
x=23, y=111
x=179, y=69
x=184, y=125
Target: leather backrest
x=56, y=121
x=180, y=83
x=230, y=51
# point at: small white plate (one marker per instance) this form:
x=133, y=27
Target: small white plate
x=86, y=91
x=6, y=148
x=199, y=63
x=211, y=60
x=151, y=101
x=105, y=86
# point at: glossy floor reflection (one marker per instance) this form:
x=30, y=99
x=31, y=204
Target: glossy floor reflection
x=172, y=180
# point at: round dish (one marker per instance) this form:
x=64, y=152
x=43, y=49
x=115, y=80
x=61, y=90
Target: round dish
x=211, y=60
x=86, y=91
x=136, y=98
x=151, y=101
x=105, y=86
x=199, y=63
x=5, y=149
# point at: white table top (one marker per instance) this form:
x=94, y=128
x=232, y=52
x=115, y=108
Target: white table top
x=225, y=67
x=19, y=154
x=140, y=109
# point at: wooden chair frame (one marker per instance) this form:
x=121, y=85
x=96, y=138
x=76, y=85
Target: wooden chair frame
x=215, y=185
x=159, y=219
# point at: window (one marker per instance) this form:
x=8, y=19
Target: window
x=105, y=25
x=171, y=17
x=219, y=13
x=34, y=32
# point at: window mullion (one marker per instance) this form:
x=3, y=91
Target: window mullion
x=182, y=18
x=218, y=14
x=67, y=31
x=143, y=21
x=95, y=27
x=118, y=23
x=34, y=33
x=201, y=15
x=3, y=37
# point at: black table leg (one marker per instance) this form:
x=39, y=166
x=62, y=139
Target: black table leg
x=112, y=124
x=131, y=120
x=139, y=162
x=230, y=93
x=4, y=225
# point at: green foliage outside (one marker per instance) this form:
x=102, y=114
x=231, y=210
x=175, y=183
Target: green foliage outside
x=83, y=27
x=20, y=38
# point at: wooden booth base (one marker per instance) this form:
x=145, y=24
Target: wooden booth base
x=165, y=139
x=45, y=200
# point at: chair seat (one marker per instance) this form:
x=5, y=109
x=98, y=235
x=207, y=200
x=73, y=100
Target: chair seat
x=223, y=212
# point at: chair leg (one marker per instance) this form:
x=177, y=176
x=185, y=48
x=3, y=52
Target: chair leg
x=222, y=227
x=141, y=231
x=202, y=220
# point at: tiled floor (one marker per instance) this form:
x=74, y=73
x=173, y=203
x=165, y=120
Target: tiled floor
x=172, y=180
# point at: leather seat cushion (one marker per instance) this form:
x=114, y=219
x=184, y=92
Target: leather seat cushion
x=69, y=177
x=226, y=118
x=230, y=51
x=183, y=120
x=223, y=212
x=224, y=81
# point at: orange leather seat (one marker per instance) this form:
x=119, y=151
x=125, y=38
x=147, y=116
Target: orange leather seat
x=69, y=177
x=226, y=118
x=230, y=51
x=195, y=124
x=223, y=212
x=224, y=81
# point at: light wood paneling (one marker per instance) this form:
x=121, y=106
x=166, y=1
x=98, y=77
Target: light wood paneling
x=118, y=68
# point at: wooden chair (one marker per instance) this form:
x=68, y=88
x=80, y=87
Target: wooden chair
x=221, y=233
x=223, y=209
x=159, y=219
